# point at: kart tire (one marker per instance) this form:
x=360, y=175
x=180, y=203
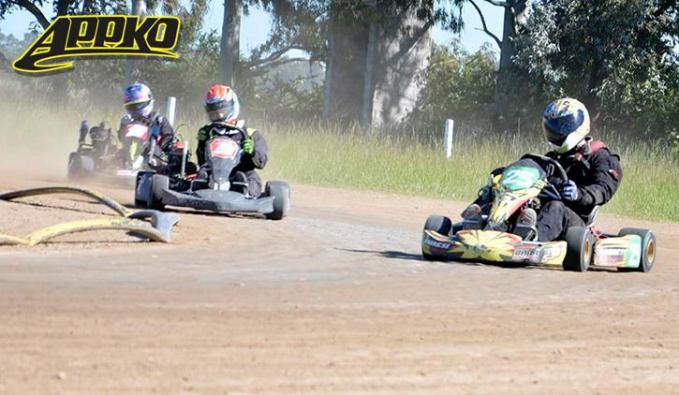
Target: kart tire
x=579, y=250
x=79, y=166
x=280, y=191
x=158, y=183
x=648, y=247
x=439, y=224
x=75, y=169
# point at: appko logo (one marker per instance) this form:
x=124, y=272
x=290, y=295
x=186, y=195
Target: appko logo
x=75, y=36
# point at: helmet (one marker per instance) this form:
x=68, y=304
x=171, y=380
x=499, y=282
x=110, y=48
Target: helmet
x=138, y=100
x=221, y=103
x=565, y=123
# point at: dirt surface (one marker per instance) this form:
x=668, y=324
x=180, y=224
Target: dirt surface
x=334, y=299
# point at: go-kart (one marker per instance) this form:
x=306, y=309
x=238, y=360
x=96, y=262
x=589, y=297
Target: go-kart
x=101, y=159
x=497, y=235
x=215, y=187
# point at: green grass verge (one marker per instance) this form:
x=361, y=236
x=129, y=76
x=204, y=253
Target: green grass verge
x=649, y=189
x=350, y=158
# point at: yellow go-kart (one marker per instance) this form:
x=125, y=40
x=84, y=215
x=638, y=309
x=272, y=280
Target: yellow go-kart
x=498, y=237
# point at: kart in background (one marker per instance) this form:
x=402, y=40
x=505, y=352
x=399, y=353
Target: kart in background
x=216, y=187
x=102, y=159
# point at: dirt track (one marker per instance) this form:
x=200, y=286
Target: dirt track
x=333, y=299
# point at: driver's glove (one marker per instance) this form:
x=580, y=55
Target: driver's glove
x=248, y=146
x=569, y=191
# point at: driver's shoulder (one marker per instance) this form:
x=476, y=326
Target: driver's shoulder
x=599, y=151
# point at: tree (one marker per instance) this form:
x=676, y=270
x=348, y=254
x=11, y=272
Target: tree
x=617, y=56
x=230, y=43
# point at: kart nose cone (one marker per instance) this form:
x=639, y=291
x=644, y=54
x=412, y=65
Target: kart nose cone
x=220, y=185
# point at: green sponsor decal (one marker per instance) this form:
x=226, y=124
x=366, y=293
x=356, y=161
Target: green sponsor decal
x=516, y=178
x=633, y=255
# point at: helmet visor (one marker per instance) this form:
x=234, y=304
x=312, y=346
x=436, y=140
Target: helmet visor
x=219, y=111
x=135, y=107
x=558, y=128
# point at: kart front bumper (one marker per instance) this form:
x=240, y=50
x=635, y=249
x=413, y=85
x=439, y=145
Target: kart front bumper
x=218, y=201
x=492, y=246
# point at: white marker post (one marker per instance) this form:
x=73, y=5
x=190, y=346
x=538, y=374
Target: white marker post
x=171, y=106
x=448, y=137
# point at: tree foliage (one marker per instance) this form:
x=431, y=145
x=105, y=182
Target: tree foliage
x=460, y=86
x=616, y=55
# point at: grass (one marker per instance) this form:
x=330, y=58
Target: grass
x=350, y=158
x=417, y=166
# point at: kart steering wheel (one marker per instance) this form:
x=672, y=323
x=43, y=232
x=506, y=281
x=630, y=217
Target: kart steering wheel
x=553, y=169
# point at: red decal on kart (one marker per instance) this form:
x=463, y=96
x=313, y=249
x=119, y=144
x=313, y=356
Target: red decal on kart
x=224, y=148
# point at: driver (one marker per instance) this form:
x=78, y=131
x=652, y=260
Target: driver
x=594, y=173
x=139, y=102
x=222, y=107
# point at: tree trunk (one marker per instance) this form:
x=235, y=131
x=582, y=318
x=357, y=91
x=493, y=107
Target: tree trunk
x=132, y=71
x=401, y=53
x=345, y=68
x=230, y=46
x=376, y=66
x=508, y=75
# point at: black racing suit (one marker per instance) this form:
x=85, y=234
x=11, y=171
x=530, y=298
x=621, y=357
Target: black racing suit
x=597, y=173
x=248, y=163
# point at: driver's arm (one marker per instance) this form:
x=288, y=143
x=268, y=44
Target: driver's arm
x=261, y=154
x=203, y=137
x=606, y=174
x=167, y=135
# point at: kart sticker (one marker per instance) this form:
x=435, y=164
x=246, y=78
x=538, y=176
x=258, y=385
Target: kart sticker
x=520, y=177
x=223, y=148
x=528, y=253
x=437, y=244
x=137, y=131
x=618, y=252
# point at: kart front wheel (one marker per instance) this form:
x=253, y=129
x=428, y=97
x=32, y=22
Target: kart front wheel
x=79, y=166
x=439, y=224
x=648, y=247
x=580, y=248
x=158, y=184
x=280, y=191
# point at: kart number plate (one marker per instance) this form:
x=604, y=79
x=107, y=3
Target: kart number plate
x=223, y=148
x=137, y=131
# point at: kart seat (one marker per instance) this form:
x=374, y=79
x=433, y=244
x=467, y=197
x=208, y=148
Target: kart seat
x=592, y=215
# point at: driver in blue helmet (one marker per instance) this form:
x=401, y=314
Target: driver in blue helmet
x=594, y=173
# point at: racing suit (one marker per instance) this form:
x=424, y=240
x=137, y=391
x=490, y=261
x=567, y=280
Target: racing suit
x=159, y=125
x=160, y=129
x=597, y=173
x=248, y=163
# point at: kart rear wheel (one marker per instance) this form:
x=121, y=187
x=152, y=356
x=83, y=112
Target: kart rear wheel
x=158, y=183
x=439, y=224
x=580, y=248
x=648, y=247
x=280, y=191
